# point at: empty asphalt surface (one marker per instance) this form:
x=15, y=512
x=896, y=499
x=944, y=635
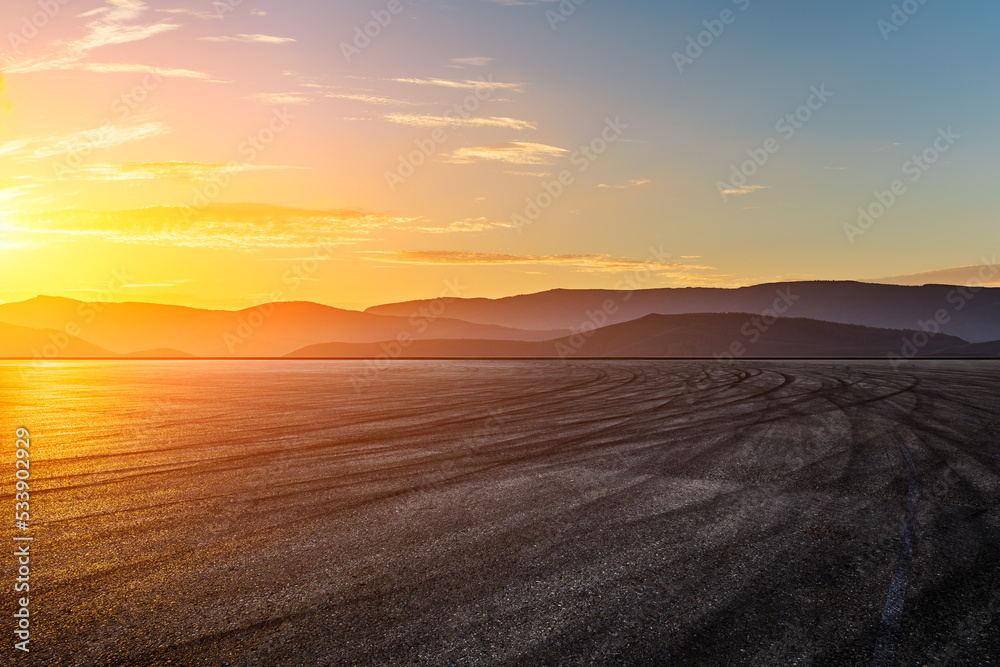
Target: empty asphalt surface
x=510, y=513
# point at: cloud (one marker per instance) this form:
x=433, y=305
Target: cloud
x=39, y=148
x=634, y=183
x=462, y=226
x=115, y=24
x=249, y=39
x=467, y=84
x=150, y=69
x=415, y=120
x=243, y=227
x=585, y=262
x=5, y=104
x=368, y=99
x=530, y=174
x=187, y=172
x=318, y=91
x=987, y=273
x=197, y=13
x=10, y=192
x=745, y=189
x=476, y=61
x=515, y=152
x=282, y=99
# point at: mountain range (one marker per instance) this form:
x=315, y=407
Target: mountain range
x=726, y=336
x=970, y=313
x=821, y=319
x=268, y=330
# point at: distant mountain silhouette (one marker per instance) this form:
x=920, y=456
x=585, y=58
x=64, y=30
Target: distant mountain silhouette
x=818, y=319
x=271, y=330
x=43, y=344
x=989, y=349
x=971, y=315
x=729, y=335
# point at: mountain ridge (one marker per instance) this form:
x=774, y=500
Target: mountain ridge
x=725, y=336
x=972, y=313
x=267, y=330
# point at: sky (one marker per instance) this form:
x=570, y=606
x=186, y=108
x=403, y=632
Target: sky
x=227, y=153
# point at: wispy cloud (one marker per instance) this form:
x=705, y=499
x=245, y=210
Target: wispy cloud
x=317, y=91
x=529, y=174
x=246, y=227
x=585, y=262
x=469, y=225
x=5, y=104
x=745, y=189
x=466, y=84
x=249, y=39
x=475, y=61
x=197, y=13
x=369, y=99
x=515, y=152
x=187, y=172
x=39, y=148
x=282, y=99
x=987, y=273
x=171, y=72
x=10, y=192
x=416, y=120
x=114, y=23
x=634, y=183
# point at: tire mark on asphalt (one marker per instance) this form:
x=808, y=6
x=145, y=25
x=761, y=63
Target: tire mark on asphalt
x=892, y=613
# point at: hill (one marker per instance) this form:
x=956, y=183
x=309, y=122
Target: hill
x=968, y=314
x=692, y=335
x=269, y=330
x=32, y=343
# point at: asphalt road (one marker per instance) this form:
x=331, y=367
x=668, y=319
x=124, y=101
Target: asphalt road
x=510, y=513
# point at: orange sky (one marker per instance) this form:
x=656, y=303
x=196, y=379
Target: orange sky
x=225, y=154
